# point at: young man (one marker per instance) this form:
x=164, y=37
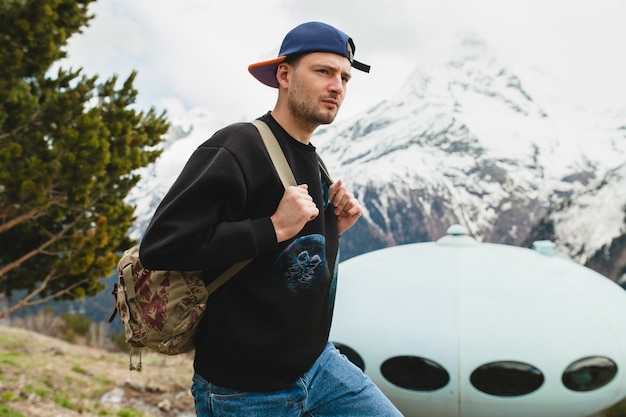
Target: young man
x=262, y=348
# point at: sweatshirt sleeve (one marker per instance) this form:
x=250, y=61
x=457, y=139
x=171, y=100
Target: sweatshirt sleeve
x=201, y=222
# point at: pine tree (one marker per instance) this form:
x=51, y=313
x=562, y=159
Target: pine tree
x=69, y=150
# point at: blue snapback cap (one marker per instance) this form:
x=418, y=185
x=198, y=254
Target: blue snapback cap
x=305, y=38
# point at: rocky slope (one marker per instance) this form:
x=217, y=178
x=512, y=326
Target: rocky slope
x=42, y=376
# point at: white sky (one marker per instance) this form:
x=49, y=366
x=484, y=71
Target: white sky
x=194, y=53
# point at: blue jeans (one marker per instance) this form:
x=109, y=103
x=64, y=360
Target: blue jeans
x=333, y=387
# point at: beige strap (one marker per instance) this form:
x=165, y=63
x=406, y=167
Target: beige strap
x=225, y=276
x=276, y=154
x=286, y=177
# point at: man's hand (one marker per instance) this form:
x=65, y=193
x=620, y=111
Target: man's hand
x=347, y=208
x=295, y=209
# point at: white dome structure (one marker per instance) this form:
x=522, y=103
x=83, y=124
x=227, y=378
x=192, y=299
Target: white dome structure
x=460, y=328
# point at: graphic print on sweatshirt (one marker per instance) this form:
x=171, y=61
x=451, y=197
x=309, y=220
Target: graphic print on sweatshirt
x=302, y=268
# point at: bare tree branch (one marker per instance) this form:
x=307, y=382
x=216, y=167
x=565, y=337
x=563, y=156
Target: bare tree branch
x=22, y=218
x=55, y=238
x=26, y=301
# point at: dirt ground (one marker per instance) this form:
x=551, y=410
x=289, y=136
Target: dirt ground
x=42, y=376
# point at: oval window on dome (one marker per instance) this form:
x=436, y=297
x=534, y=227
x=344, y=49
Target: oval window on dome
x=415, y=373
x=588, y=374
x=351, y=354
x=507, y=378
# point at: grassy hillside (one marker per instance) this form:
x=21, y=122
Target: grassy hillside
x=42, y=376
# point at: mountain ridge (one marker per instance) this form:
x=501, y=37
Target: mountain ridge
x=470, y=141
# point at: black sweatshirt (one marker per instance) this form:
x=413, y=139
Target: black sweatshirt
x=267, y=325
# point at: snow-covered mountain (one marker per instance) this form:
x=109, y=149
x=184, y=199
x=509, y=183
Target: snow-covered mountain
x=470, y=142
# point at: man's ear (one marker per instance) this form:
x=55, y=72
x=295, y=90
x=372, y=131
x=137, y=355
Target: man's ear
x=282, y=74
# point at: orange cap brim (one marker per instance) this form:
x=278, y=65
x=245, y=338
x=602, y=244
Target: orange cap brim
x=265, y=71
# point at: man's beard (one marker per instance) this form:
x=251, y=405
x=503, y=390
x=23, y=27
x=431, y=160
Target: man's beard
x=307, y=111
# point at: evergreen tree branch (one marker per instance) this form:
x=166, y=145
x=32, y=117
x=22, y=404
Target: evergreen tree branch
x=29, y=215
x=39, y=250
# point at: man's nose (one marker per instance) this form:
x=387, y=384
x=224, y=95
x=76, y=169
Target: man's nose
x=336, y=85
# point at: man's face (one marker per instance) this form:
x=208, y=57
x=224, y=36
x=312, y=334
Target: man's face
x=317, y=87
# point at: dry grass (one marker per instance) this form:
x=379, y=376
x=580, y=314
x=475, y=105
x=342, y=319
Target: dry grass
x=41, y=376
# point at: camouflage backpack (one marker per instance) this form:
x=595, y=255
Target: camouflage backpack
x=161, y=309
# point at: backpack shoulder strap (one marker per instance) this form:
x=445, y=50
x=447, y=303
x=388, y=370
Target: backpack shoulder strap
x=286, y=177
x=276, y=153
x=226, y=275
x=324, y=172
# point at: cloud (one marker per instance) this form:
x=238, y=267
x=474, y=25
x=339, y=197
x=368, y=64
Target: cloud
x=194, y=53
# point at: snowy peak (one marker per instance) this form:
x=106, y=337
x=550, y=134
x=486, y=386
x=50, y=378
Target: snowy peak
x=465, y=142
